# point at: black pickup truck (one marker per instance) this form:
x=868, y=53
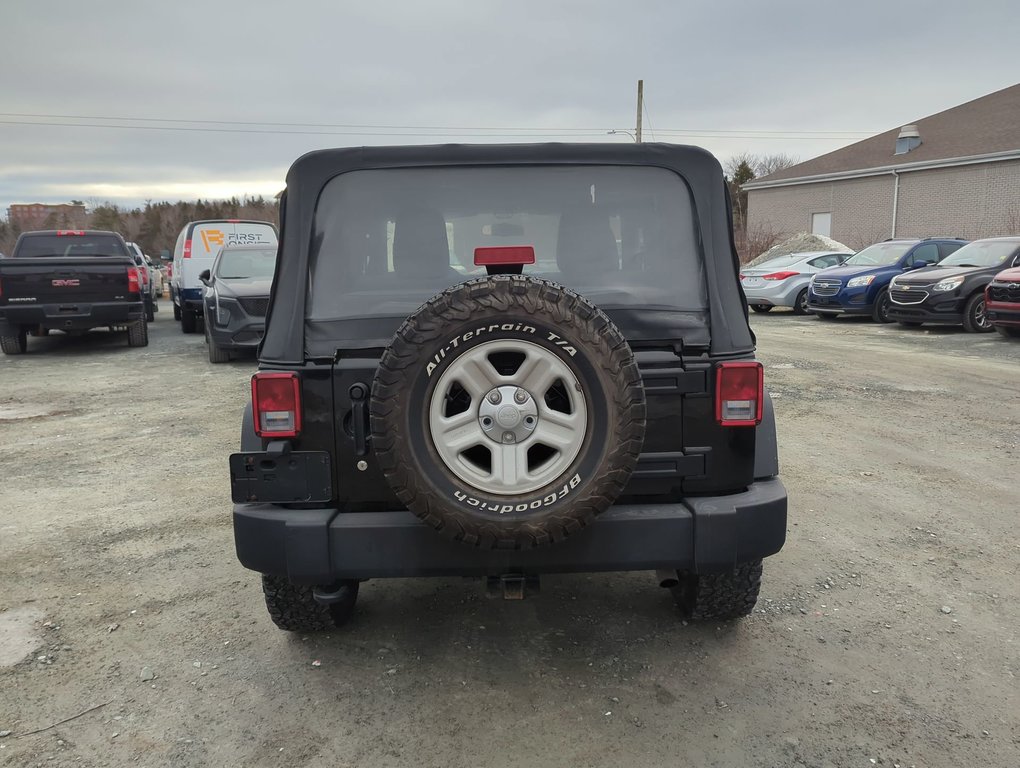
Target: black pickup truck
x=506, y=361
x=71, y=281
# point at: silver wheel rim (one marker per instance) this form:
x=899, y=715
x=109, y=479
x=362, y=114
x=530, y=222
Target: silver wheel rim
x=523, y=424
x=980, y=316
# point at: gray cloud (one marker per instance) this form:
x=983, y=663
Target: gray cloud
x=788, y=66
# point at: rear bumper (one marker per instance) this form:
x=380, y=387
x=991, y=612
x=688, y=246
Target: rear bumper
x=701, y=534
x=71, y=317
x=782, y=295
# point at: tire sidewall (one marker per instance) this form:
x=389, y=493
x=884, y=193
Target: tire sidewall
x=420, y=446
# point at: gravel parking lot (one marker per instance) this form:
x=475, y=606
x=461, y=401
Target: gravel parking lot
x=887, y=632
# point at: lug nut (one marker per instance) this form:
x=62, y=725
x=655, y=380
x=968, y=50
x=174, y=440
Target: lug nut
x=508, y=437
x=521, y=396
x=494, y=396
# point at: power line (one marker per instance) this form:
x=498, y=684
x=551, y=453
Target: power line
x=398, y=130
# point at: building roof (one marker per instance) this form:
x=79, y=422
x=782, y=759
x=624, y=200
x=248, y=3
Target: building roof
x=984, y=126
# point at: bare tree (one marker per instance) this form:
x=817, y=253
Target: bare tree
x=770, y=163
x=754, y=241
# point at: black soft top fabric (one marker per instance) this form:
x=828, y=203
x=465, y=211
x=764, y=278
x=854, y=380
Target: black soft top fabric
x=288, y=342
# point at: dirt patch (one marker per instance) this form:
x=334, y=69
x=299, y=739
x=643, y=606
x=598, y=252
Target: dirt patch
x=20, y=634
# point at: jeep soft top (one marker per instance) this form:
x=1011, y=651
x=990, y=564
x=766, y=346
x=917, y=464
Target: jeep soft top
x=505, y=361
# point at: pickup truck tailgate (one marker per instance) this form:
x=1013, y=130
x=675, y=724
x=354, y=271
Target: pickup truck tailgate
x=64, y=280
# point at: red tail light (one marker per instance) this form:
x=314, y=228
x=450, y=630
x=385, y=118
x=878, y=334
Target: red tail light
x=779, y=275
x=739, y=394
x=133, y=280
x=498, y=255
x=187, y=249
x=70, y=232
x=276, y=404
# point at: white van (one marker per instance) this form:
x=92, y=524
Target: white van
x=197, y=246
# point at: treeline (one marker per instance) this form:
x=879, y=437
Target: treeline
x=155, y=226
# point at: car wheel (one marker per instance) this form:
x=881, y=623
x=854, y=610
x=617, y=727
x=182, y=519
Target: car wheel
x=507, y=412
x=16, y=344
x=882, y=303
x=718, y=596
x=217, y=354
x=975, y=319
x=800, y=306
x=1008, y=331
x=177, y=312
x=189, y=321
x=761, y=308
x=138, y=334
x=294, y=608
x=150, y=313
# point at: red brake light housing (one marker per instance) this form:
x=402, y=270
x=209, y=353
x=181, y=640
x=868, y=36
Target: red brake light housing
x=504, y=255
x=70, y=232
x=779, y=275
x=739, y=393
x=276, y=404
x=133, y=280
x=187, y=248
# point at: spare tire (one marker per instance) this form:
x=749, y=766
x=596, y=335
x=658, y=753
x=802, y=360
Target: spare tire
x=507, y=412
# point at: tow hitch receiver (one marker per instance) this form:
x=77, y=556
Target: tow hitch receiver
x=512, y=586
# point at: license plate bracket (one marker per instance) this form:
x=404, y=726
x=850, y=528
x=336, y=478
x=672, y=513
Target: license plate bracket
x=295, y=477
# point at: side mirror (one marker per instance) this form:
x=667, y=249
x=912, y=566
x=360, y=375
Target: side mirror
x=205, y=277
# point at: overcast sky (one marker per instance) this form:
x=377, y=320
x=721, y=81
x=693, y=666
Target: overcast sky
x=444, y=70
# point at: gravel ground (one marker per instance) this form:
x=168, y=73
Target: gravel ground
x=886, y=633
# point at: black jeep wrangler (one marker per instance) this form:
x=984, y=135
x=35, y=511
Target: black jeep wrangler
x=504, y=361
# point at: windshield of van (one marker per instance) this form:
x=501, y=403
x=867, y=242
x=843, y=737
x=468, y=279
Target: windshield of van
x=385, y=241
x=246, y=264
x=37, y=246
x=982, y=254
x=878, y=255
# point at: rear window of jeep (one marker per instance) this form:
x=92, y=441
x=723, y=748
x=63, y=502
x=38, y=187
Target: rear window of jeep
x=385, y=241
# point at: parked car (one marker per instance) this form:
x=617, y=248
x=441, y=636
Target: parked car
x=196, y=247
x=410, y=421
x=953, y=292
x=156, y=273
x=72, y=281
x=236, y=299
x=783, y=281
x=1002, y=297
x=861, y=285
x=148, y=289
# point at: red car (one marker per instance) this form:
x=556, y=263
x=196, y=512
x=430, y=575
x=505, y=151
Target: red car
x=1002, y=302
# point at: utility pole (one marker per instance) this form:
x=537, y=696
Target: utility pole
x=640, y=108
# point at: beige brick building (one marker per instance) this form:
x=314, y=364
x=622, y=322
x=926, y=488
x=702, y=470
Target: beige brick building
x=956, y=174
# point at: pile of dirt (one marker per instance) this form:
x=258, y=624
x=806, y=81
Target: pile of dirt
x=802, y=242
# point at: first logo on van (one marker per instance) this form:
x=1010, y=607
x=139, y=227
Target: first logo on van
x=211, y=237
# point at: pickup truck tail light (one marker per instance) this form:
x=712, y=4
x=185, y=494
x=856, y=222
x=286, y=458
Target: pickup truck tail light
x=276, y=404
x=133, y=280
x=779, y=275
x=739, y=394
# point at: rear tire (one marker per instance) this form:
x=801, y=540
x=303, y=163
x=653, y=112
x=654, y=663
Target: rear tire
x=150, y=313
x=761, y=308
x=189, y=321
x=138, y=334
x=1008, y=332
x=882, y=303
x=719, y=596
x=15, y=345
x=975, y=319
x=177, y=312
x=294, y=609
x=800, y=306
